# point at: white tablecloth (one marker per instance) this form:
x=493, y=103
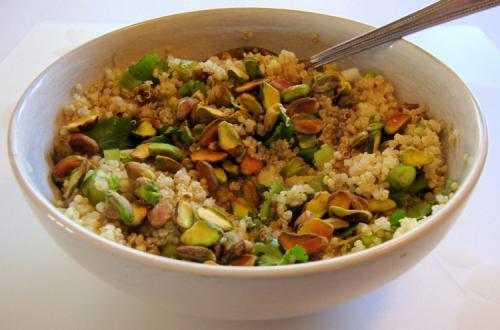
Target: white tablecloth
x=456, y=287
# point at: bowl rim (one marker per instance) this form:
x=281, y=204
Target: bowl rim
x=168, y=264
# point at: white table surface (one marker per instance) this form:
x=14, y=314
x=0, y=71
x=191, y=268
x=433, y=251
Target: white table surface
x=456, y=287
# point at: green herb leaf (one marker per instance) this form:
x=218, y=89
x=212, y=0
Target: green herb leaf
x=283, y=131
x=308, y=155
x=297, y=254
x=166, y=136
x=185, y=69
x=162, y=65
x=168, y=130
x=190, y=87
x=395, y=217
x=271, y=248
x=271, y=255
x=398, y=197
x=142, y=71
x=128, y=81
x=266, y=260
x=420, y=210
x=419, y=184
x=114, y=132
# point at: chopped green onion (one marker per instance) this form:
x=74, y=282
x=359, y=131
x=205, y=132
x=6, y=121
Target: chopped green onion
x=265, y=207
x=125, y=155
x=112, y=154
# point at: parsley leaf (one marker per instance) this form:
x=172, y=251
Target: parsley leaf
x=267, y=260
x=295, y=255
x=185, y=69
x=128, y=81
x=395, y=217
x=142, y=71
x=271, y=255
x=399, y=197
x=165, y=136
x=419, y=184
x=190, y=87
x=420, y=210
x=113, y=133
x=284, y=130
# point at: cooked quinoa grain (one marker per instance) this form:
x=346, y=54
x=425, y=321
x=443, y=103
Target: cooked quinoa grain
x=252, y=161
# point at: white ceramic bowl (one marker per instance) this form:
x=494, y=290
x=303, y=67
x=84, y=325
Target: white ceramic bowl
x=241, y=292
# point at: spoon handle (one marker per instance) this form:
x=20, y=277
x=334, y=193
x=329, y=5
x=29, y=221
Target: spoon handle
x=434, y=14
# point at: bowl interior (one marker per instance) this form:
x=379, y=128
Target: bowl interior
x=416, y=75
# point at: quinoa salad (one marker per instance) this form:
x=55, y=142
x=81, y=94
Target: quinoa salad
x=248, y=161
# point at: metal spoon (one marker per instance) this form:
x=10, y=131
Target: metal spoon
x=434, y=14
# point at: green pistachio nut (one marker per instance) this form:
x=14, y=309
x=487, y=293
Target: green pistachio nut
x=118, y=207
x=74, y=179
x=252, y=67
x=201, y=233
x=165, y=149
x=185, y=215
x=269, y=95
x=195, y=253
x=146, y=191
x=238, y=75
x=296, y=166
x=324, y=83
x=228, y=136
x=401, y=176
x=324, y=155
x=415, y=157
x=350, y=215
x=250, y=102
x=294, y=92
x=215, y=217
